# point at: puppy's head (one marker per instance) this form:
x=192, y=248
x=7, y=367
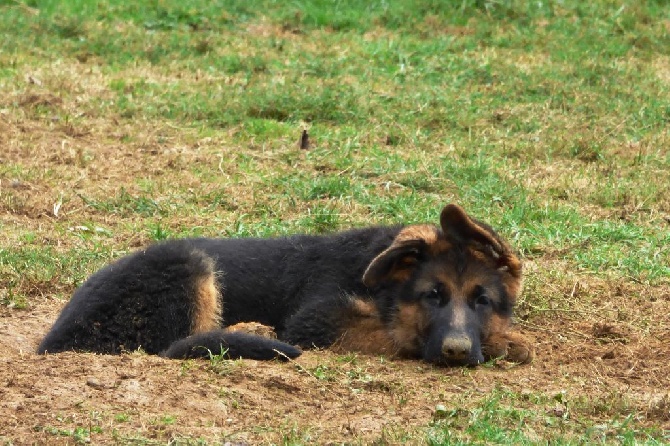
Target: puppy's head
x=442, y=291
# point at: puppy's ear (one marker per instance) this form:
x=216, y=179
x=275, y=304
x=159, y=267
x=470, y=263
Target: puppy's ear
x=460, y=228
x=396, y=263
x=465, y=230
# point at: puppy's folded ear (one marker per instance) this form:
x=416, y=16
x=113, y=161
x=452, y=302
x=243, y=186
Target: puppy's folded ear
x=396, y=263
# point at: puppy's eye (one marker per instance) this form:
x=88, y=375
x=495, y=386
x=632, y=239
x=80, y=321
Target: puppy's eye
x=480, y=298
x=434, y=296
x=483, y=300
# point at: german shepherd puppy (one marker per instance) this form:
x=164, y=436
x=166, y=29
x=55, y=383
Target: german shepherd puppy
x=442, y=294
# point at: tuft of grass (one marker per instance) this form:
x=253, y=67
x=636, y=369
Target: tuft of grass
x=511, y=418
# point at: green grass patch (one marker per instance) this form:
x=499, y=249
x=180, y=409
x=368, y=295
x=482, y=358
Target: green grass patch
x=508, y=418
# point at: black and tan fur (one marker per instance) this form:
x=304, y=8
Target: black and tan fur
x=444, y=294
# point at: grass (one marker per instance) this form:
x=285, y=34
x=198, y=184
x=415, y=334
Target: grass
x=500, y=420
x=182, y=118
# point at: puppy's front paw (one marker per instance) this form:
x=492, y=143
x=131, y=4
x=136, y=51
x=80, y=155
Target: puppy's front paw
x=255, y=328
x=510, y=346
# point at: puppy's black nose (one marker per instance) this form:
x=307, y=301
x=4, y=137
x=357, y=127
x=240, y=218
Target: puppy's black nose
x=456, y=349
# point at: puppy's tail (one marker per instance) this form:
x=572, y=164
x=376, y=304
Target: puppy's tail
x=232, y=345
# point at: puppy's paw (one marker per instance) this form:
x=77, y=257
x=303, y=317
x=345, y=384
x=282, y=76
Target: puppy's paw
x=511, y=346
x=253, y=328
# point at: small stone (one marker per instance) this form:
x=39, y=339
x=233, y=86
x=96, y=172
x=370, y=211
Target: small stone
x=92, y=382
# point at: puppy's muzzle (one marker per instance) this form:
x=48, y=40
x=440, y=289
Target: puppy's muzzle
x=458, y=349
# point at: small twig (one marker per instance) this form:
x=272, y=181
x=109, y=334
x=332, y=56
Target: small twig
x=574, y=289
x=549, y=330
x=561, y=310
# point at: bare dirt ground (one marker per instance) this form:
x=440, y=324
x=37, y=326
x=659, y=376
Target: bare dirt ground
x=596, y=367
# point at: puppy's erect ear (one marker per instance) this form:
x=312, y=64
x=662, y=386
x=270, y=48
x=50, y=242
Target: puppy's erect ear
x=465, y=230
x=458, y=226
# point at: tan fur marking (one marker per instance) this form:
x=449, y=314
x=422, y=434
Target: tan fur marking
x=408, y=328
x=253, y=328
x=366, y=334
x=502, y=343
x=428, y=233
x=482, y=257
x=511, y=346
x=514, y=280
x=401, y=275
x=206, y=312
x=440, y=246
x=490, y=238
x=498, y=324
x=403, y=267
x=365, y=308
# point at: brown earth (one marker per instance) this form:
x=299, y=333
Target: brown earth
x=594, y=367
